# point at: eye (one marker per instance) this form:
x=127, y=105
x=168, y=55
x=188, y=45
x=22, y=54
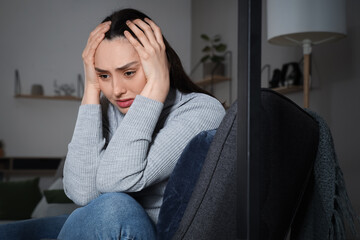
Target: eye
x=103, y=76
x=129, y=73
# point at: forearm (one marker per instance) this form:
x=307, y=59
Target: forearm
x=83, y=156
x=91, y=95
x=125, y=158
x=137, y=158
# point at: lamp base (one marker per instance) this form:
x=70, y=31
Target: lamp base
x=306, y=79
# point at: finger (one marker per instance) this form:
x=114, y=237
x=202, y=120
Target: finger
x=92, y=44
x=147, y=30
x=157, y=32
x=101, y=28
x=135, y=43
x=94, y=40
x=139, y=34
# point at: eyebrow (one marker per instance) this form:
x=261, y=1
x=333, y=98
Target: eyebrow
x=119, y=68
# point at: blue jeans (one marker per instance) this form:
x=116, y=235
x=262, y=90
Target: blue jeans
x=110, y=216
x=33, y=229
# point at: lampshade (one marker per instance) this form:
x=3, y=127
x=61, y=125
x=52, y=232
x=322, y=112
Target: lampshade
x=290, y=22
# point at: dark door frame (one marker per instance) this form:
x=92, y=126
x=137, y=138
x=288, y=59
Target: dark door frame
x=249, y=74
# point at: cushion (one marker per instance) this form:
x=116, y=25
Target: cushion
x=181, y=183
x=211, y=211
x=45, y=209
x=56, y=196
x=18, y=199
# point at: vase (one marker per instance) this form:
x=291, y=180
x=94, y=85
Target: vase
x=211, y=69
x=37, y=89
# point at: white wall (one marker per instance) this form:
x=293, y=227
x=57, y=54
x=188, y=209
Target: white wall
x=335, y=91
x=44, y=39
x=215, y=17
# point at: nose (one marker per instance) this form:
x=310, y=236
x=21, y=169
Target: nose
x=118, y=87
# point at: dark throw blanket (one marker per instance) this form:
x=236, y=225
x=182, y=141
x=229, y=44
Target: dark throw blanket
x=330, y=209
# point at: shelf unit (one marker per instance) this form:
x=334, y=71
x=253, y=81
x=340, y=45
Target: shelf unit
x=289, y=89
x=216, y=79
x=28, y=166
x=71, y=98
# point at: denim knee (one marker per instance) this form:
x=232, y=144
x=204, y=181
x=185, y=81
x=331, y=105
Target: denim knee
x=111, y=206
x=110, y=216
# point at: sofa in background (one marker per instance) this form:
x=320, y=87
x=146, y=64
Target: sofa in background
x=23, y=199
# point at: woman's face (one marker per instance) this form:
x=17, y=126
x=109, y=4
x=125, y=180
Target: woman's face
x=120, y=73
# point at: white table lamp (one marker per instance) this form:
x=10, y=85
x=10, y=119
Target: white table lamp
x=305, y=23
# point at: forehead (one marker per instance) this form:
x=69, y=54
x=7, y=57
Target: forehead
x=115, y=53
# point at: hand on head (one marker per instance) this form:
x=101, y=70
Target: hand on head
x=151, y=51
x=92, y=88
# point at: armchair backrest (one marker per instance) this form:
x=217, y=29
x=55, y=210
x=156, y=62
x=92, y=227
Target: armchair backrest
x=288, y=141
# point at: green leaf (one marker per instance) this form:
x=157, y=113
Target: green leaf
x=220, y=47
x=206, y=49
x=217, y=38
x=204, y=58
x=205, y=37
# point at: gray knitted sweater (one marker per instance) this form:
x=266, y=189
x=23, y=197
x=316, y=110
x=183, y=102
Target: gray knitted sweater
x=136, y=152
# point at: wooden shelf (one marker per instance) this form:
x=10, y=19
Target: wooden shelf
x=209, y=80
x=290, y=89
x=71, y=98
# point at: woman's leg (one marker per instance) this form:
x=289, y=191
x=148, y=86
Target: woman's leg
x=33, y=229
x=110, y=216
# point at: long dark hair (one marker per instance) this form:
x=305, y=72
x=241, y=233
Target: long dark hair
x=178, y=78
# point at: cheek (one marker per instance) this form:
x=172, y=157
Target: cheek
x=141, y=81
x=105, y=88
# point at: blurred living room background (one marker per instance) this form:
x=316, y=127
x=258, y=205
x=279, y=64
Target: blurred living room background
x=41, y=44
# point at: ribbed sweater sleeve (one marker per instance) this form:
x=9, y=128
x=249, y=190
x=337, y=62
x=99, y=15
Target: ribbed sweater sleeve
x=83, y=155
x=135, y=156
x=125, y=159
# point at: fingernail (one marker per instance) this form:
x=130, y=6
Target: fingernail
x=128, y=22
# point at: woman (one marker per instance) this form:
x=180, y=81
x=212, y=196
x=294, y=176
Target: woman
x=127, y=142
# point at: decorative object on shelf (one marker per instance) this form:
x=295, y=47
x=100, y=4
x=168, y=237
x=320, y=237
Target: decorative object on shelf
x=80, y=86
x=37, y=90
x=289, y=75
x=276, y=78
x=268, y=68
x=213, y=60
x=211, y=80
x=17, y=83
x=305, y=23
x=63, y=89
x=215, y=54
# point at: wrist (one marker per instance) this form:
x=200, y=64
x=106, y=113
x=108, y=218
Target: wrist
x=91, y=95
x=155, y=91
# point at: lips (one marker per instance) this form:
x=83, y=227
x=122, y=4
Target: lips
x=125, y=103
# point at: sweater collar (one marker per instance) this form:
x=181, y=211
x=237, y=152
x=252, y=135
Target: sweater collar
x=174, y=96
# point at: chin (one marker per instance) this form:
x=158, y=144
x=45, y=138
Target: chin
x=123, y=110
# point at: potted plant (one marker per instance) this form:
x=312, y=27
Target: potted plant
x=214, y=56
